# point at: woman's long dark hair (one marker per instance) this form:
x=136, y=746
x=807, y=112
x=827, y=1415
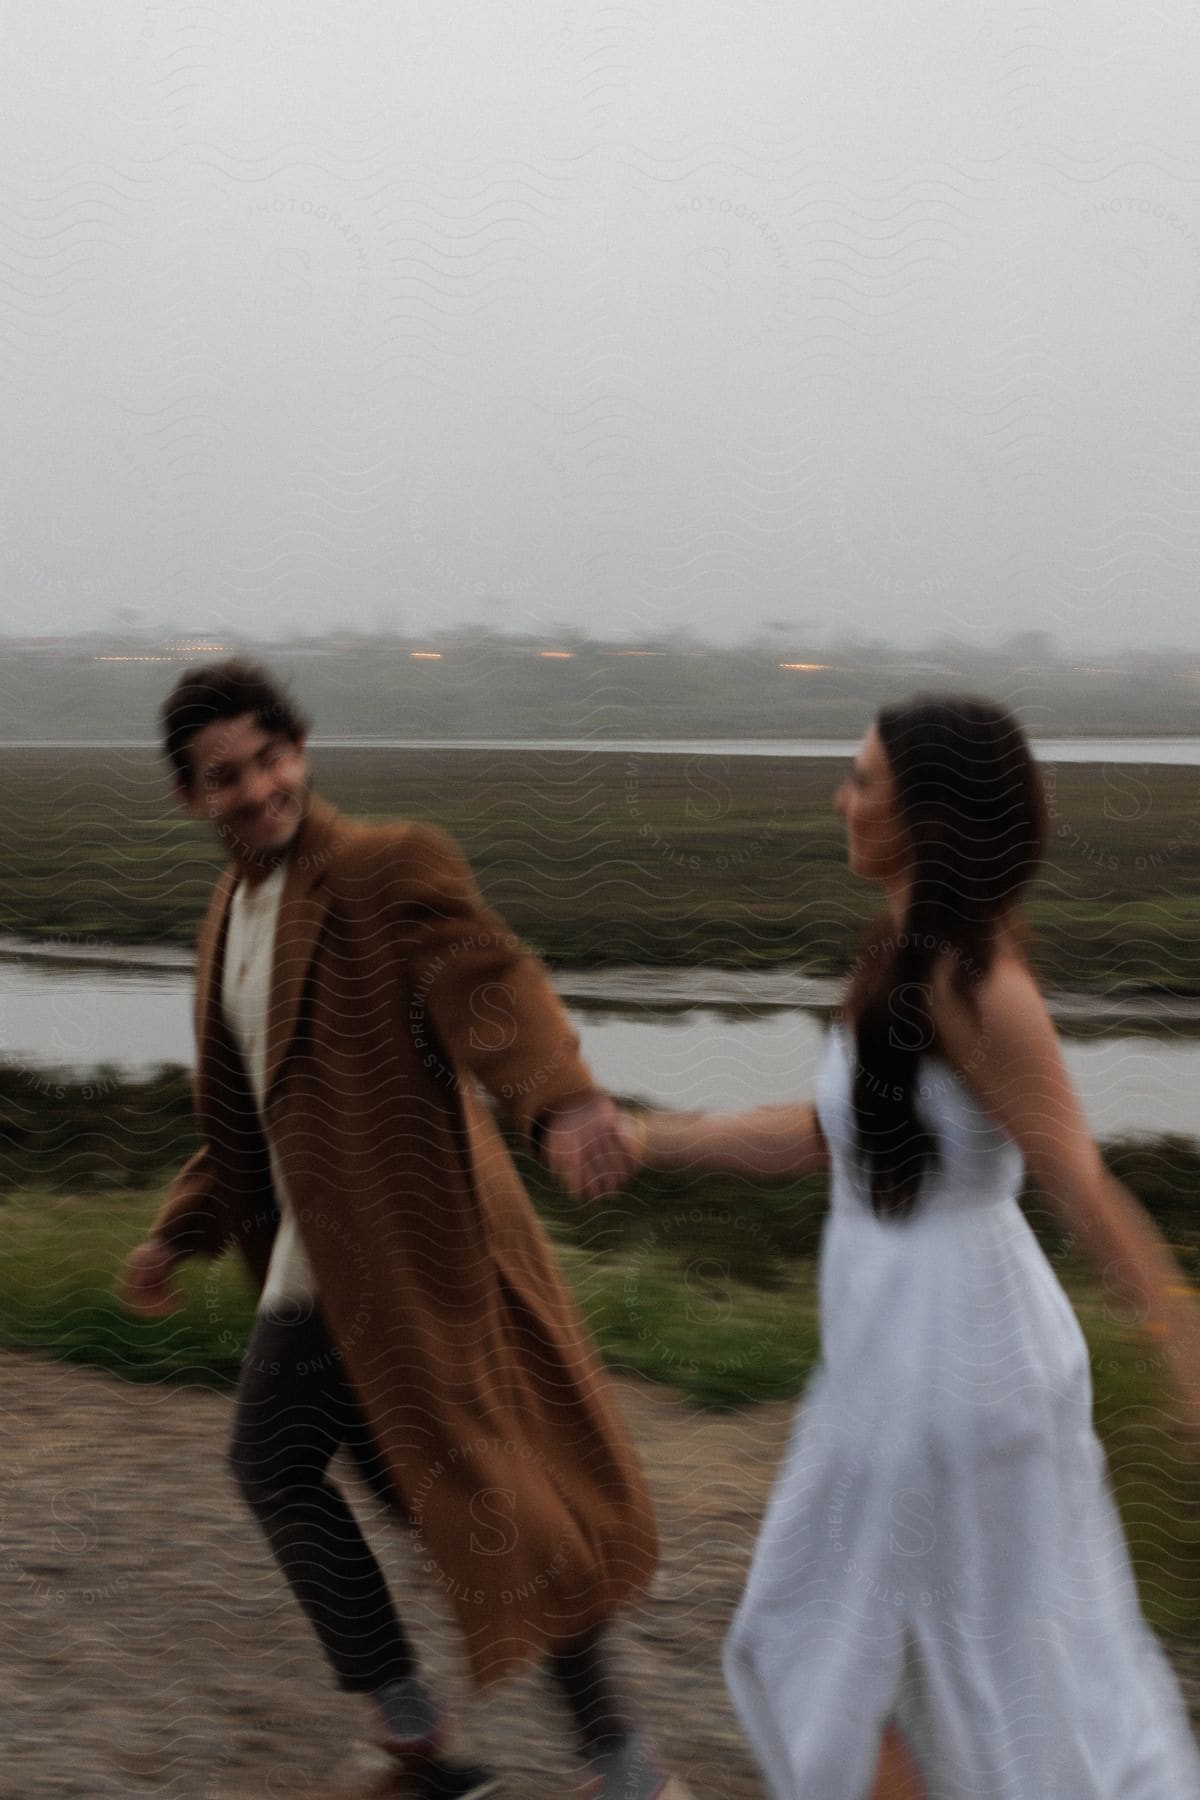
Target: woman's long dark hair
x=971, y=801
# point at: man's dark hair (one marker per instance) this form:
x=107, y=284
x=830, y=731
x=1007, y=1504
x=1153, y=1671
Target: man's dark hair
x=223, y=690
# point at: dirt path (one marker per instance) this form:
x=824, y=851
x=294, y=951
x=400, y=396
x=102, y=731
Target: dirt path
x=148, y=1646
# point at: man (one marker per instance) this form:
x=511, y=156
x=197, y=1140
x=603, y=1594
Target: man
x=352, y=993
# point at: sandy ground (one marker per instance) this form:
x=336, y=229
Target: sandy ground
x=148, y=1646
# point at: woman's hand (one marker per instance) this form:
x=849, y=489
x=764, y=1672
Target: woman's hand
x=1174, y=1331
x=584, y=1145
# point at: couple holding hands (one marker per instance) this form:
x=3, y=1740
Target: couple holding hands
x=941, y=1602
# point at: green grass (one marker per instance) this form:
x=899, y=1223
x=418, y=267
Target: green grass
x=62, y=1253
x=723, y=1322
x=659, y=1305
x=103, y=1132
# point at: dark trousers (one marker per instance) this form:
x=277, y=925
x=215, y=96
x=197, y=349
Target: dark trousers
x=294, y=1408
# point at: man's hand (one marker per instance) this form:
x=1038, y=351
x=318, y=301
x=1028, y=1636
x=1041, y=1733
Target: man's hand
x=145, y=1283
x=584, y=1146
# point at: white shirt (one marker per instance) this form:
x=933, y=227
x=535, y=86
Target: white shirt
x=246, y=998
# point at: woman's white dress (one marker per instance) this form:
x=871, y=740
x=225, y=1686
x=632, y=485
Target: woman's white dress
x=941, y=1546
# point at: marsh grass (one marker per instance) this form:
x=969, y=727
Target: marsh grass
x=618, y=858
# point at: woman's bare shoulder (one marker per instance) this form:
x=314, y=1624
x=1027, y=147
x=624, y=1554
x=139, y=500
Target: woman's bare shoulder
x=997, y=997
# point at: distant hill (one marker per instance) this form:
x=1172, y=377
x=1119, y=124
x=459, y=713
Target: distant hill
x=481, y=684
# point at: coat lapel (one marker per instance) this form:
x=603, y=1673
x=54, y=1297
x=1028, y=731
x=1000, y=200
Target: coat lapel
x=302, y=908
x=210, y=960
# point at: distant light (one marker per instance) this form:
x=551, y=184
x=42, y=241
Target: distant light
x=641, y=653
x=426, y=655
x=807, y=666
x=557, y=655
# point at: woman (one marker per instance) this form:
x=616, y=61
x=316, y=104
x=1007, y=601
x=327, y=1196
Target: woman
x=941, y=1568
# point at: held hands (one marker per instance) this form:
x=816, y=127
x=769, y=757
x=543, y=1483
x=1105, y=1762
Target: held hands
x=145, y=1280
x=587, y=1144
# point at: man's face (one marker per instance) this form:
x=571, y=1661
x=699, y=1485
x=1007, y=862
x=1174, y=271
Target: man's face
x=249, y=784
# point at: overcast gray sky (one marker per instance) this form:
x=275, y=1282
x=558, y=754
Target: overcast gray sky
x=701, y=313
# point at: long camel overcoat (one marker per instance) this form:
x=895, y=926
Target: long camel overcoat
x=396, y=995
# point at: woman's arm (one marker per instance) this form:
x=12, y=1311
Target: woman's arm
x=771, y=1143
x=1009, y=1055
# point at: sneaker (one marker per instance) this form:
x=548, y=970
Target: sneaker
x=456, y=1781
x=411, y=1751
x=631, y=1771
x=438, y=1780
x=390, y=1784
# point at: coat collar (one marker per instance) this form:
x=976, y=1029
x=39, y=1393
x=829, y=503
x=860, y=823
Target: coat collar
x=302, y=908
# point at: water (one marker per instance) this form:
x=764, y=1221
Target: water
x=1177, y=750
x=66, y=1013
x=1174, y=750
x=692, y=1056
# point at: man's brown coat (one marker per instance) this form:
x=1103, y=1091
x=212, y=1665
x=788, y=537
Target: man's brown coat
x=395, y=993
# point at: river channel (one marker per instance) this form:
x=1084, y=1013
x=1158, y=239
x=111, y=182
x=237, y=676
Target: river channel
x=696, y=1038
x=691, y=1038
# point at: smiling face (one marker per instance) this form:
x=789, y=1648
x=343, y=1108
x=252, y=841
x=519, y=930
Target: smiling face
x=249, y=784
x=877, y=844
